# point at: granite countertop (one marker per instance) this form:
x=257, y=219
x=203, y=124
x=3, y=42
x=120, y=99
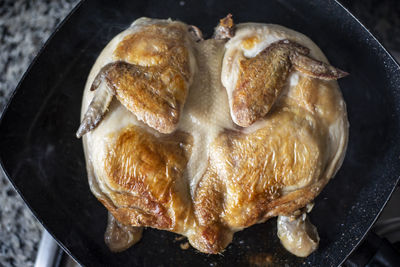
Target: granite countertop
x=26, y=25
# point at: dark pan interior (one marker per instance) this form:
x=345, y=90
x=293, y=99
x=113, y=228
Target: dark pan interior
x=45, y=161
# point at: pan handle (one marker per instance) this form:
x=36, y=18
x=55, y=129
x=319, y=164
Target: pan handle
x=48, y=251
x=50, y=254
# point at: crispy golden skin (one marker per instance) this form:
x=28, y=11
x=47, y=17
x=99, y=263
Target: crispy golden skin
x=250, y=177
x=150, y=76
x=251, y=171
x=157, y=45
x=154, y=94
x=145, y=174
x=262, y=78
x=154, y=87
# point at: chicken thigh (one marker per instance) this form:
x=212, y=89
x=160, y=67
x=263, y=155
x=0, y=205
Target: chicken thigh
x=207, y=137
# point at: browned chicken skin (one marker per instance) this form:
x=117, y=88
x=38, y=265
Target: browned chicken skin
x=160, y=104
x=208, y=178
x=163, y=64
x=262, y=78
x=138, y=162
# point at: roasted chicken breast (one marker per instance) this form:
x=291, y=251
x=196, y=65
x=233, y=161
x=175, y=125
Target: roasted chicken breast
x=207, y=137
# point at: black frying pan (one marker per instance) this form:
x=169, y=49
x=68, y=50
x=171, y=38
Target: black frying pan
x=45, y=162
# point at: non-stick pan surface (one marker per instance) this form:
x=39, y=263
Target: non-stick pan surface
x=45, y=162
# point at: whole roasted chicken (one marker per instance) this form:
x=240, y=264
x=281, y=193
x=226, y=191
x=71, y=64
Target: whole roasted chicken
x=207, y=137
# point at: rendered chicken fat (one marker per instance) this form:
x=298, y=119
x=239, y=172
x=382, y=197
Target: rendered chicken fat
x=164, y=145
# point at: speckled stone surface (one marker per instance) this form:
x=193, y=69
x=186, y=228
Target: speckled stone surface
x=26, y=25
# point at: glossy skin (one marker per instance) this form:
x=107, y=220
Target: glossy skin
x=157, y=55
x=274, y=167
x=263, y=78
x=151, y=169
